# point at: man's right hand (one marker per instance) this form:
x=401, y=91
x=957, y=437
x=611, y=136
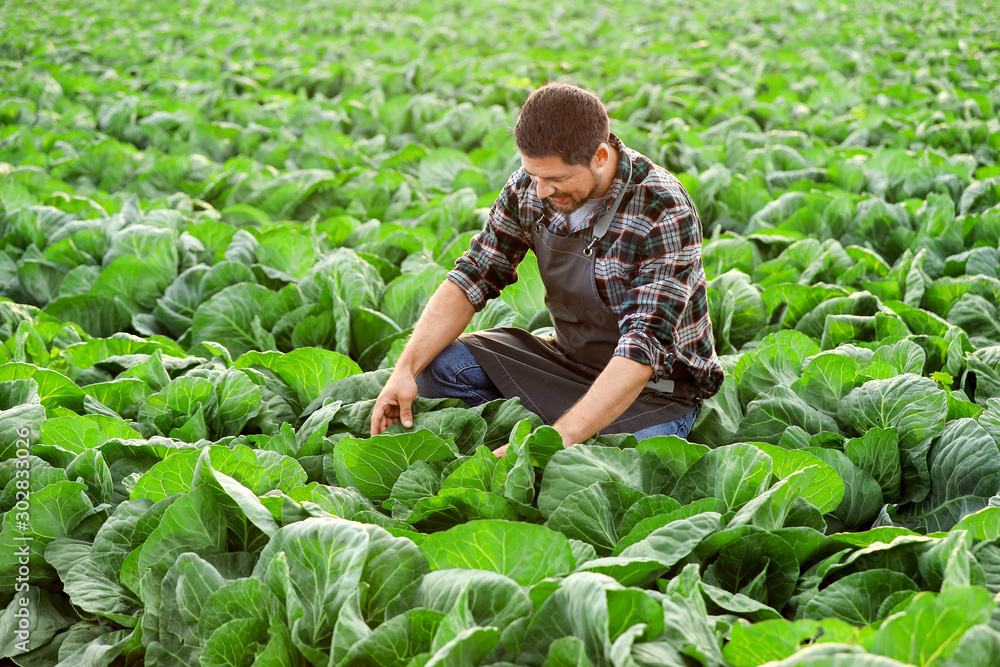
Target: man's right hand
x=446, y=315
x=394, y=404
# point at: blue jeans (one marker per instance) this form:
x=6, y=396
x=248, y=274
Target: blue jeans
x=679, y=427
x=455, y=373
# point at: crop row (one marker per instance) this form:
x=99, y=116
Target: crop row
x=219, y=223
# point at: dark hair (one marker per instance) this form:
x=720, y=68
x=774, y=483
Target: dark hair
x=564, y=120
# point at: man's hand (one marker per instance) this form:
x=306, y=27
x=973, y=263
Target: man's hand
x=612, y=393
x=499, y=452
x=394, y=404
x=446, y=315
x=568, y=439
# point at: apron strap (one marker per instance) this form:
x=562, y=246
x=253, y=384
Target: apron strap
x=602, y=226
x=665, y=386
x=680, y=390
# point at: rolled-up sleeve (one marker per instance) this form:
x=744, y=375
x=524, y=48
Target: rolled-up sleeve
x=490, y=263
x=663, y=289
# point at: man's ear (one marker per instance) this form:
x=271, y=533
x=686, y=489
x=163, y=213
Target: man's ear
x=602, y=155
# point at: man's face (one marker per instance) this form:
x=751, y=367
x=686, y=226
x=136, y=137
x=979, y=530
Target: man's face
x=566, y=186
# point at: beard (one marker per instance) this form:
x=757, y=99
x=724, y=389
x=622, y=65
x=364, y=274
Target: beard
x=573, y=203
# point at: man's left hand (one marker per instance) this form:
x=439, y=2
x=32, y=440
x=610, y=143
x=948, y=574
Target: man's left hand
x=499, y=452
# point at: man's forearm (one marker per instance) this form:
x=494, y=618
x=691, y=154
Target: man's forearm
x=614, y=390
x=444, y=318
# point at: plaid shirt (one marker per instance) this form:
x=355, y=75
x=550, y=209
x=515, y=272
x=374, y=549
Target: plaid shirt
x=648, y=267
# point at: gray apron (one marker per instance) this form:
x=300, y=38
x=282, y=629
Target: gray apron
x=550, y=374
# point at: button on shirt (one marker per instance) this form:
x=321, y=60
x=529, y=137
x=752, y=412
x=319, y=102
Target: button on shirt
x=648, y=267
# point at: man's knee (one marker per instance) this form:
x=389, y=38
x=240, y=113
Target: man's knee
x=439, y=378
x=429, y=380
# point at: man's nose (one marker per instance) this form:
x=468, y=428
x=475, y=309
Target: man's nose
x=544, y=190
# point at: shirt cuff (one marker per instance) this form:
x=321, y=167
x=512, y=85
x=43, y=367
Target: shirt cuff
x=474, y=289
x=642, y=348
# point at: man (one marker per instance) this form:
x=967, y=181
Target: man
x=618, y=243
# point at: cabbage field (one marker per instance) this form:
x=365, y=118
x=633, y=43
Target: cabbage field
x=220, y=220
